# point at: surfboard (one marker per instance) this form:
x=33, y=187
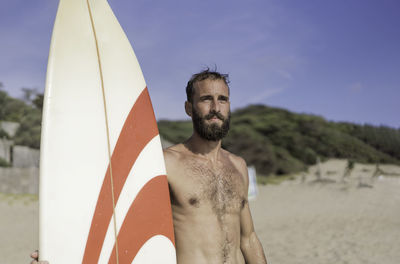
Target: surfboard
x=103, y=188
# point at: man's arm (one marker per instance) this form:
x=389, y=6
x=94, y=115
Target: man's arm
x=249, y=244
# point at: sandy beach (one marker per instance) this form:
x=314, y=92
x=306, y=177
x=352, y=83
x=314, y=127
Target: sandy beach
x=19, y=220
x=333, y=220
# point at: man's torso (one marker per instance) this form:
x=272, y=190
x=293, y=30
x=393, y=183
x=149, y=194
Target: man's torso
x=207, y=200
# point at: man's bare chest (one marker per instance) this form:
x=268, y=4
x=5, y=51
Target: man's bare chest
x=219, y=188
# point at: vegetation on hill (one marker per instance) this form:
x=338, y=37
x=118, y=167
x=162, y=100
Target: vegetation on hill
x=278, y=141
x=274, y=140
x=27, y=112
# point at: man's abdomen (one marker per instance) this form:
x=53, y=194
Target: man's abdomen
x=206, y=238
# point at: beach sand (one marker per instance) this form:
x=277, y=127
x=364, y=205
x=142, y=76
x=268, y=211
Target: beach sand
x=331, y=221
x=299, y=221
x=19, y=222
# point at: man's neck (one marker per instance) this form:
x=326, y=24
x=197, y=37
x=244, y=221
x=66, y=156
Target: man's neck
x=207, y=148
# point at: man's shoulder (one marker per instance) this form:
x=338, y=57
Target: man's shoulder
x=173, y=151
x=238, y=162
x=235, y=159
x=174, y=154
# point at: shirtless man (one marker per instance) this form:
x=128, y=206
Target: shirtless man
x=209, y=185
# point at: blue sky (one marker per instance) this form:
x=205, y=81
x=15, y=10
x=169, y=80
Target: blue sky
x=335, y=58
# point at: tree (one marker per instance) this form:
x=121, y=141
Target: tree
x=28, y=94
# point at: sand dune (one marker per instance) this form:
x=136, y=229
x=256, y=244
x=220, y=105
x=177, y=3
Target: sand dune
x=334, y=220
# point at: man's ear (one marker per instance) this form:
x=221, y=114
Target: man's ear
x=188, y=108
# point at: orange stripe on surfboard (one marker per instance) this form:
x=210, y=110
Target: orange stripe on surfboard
x=144, y=220
x=139, y=128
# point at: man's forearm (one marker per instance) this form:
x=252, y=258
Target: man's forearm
x=252, y=250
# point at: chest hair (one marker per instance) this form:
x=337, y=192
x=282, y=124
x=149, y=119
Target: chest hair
x=221, y=187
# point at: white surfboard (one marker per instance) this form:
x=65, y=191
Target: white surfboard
x=103, y=188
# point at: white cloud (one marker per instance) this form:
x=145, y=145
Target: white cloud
x=285, y=74
x=356, y=87
x=261, y=97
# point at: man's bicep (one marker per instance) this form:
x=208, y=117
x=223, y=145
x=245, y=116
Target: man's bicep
x=246, y=221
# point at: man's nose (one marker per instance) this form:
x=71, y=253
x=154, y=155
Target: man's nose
x=215, y=105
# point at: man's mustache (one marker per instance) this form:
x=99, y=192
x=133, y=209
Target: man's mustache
x=214, y=113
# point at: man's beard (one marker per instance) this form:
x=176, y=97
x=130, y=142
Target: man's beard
x=213, y=131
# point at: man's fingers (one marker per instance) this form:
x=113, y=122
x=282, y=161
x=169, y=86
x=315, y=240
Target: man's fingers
x=35, y=254
x=39, y=262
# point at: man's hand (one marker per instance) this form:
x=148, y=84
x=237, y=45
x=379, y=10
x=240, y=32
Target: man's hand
x=35, y=256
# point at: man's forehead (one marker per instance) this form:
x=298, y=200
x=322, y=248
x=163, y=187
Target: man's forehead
x=210, y=87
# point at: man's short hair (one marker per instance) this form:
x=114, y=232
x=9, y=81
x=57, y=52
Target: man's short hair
x=207, y=74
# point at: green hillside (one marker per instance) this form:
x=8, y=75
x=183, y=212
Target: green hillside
x=278, y=141
x=274, y=140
